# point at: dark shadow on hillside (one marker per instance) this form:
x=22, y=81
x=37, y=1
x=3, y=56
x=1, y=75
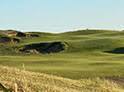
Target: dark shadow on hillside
x=116, y=51
x=45, y=48
x=9, y=40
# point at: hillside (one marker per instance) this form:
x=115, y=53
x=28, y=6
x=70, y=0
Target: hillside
x=78, y=41
x=24, y=81
x=85, y=60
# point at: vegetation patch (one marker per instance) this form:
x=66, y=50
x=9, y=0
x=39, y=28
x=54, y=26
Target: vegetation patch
x=16, y=80
x=46, y=47
x=20, y=34
x=9, y=40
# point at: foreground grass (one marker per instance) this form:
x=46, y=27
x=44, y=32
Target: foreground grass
x=38, y=82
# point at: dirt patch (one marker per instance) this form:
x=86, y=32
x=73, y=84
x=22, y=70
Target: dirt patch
x=47, y=47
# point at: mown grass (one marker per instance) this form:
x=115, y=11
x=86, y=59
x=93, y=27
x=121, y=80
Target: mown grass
x=70, y=65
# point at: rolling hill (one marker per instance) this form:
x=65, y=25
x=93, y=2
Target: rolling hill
x=77, y=56
x=77, y=41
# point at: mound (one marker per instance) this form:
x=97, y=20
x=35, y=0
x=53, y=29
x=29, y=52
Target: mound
x=48, y=47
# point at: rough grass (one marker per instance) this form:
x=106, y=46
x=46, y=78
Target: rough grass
x=38, y=82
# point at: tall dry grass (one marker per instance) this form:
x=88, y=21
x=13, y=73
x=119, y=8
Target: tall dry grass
x=16, y=80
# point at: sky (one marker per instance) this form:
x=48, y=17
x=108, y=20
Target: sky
x=61, y=15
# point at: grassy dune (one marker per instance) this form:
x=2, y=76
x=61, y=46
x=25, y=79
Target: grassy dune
x=24, y=81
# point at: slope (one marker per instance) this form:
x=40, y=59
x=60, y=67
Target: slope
x=23, y=81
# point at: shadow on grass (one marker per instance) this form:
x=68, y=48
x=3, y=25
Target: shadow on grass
x=116, y=51
x=104, y=63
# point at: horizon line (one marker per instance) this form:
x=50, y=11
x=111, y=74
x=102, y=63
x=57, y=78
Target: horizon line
x=69, y=30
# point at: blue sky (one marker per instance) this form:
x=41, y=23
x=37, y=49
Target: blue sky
x=61, y=15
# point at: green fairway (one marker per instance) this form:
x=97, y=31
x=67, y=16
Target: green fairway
x=70, y=65
x=85, y=56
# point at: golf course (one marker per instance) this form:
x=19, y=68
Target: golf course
x=95, y=55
